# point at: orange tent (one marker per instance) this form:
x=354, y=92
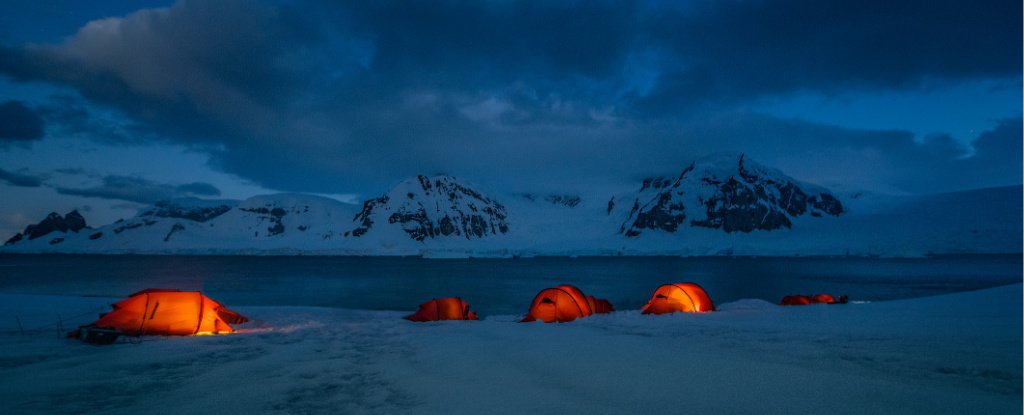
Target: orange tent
x=561, y=304
x=170, y=312
x=812, y=299
x=686, y=297
x=599, y=305
x=451, y=308
x=823, y=298
x=795, y=300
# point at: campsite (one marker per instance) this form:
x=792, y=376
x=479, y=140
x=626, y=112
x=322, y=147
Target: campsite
x=946, y=352
x=550, y=207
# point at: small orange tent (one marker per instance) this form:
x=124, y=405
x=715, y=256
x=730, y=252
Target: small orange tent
x=812, y=299
x=451, y=308
x=685, y=297
x=795, y=300
x=561, y=304
x=823, y=298
x=171, y=313
x=599, y=305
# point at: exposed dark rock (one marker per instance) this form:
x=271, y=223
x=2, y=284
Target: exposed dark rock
x=174, y=229
x=827, y=203
x=274, y=215
x=54, y=222
x=123, y=228
x=447, y=228
x=277, y=229
x=664, y=214
x=14, y=239
x=56, y=241
x=611, y=205
x=565, y=200
x=168, y=209
x=364, y=217
x=96, y=236
x=73, y=222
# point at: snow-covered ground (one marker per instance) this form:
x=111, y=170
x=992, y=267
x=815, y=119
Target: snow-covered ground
x=958, y=353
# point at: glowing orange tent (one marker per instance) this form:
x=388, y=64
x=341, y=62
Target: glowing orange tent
x=561, y=304
x=599, y=305
x=685, y=297
x=451, y=308
x=823, y=298
x=170, y=313
x=795, y=300
x=812, y=299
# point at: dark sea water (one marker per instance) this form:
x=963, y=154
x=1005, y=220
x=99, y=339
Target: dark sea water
x=496, y=286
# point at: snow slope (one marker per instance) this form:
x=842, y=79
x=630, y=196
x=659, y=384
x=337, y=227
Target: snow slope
x=958, y=353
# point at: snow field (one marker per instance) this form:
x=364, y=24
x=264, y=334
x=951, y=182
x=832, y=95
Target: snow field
x=958, y=353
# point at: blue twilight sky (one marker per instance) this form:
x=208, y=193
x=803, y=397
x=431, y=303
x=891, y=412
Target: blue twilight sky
x=106, y=106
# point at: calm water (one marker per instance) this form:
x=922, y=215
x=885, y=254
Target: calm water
x=496, y=286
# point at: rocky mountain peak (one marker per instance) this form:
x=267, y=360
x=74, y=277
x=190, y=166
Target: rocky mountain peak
x=728, y=192
x=54, y=222
x=434, y=207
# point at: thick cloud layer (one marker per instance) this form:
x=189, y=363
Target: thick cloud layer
x=19, y=123
x=335, y=98
x=134, y=189
x=19, y=180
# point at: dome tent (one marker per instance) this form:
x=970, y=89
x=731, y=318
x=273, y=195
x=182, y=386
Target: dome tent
x=561, y=304
x=171, y=313
x=599, y=305
x=812, y=299
x=451, y=308
x=795, y=300
x=685, y=297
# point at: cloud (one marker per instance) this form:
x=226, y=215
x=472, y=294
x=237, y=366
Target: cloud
x=730, y=50
x=20, y=180
x=19, y=123
x=198, y=188
x=134, y=189
x=891, y=160
x=351, y=97
x=70, y=116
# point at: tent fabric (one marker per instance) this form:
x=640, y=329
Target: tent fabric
x=823, y=298
x=685, y=297
x=599, y=305
x=811, y=299
x=170, y=312
x=561, y=304
x=795, y=300
x=451, y=308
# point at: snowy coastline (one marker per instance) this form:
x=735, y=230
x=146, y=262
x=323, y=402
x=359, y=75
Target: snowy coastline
x=956, y=353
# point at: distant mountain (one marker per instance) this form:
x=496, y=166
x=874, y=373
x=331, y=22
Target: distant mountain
x=54, y=222
x=727, y=192
x=434, y=207
x=718, y=205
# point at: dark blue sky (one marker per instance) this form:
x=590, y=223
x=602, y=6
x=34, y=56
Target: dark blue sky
x=107, y=105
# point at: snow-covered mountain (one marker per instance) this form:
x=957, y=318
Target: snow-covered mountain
x=54, y=222
x=434, y=207
x=718, y=205
x=727, y=192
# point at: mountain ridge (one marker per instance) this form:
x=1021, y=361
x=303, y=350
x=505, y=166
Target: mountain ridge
x=719, y=205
